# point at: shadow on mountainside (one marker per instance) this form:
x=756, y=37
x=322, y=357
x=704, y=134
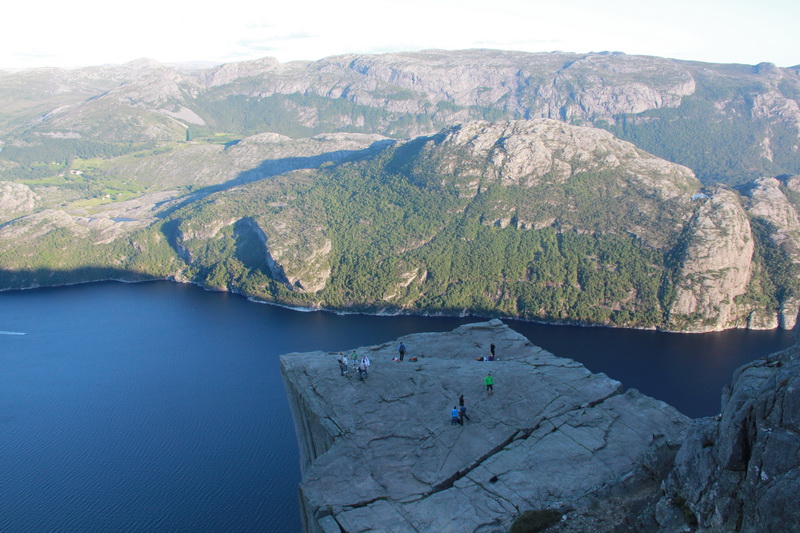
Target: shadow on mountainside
x=274, y=167
x=45, y=277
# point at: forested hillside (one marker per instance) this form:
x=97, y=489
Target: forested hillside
x=478, y=181
x=533, y=219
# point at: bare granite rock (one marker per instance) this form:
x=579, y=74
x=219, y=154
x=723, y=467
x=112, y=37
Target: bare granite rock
x=16, y=199
x=717, y=267
x=768, y=202
x=383, y=455
x=740, y=471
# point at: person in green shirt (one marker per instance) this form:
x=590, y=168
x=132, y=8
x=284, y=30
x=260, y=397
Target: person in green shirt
x=489, y=382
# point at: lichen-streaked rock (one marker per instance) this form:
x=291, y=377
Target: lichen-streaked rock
x=717, y=267
x=383, y=455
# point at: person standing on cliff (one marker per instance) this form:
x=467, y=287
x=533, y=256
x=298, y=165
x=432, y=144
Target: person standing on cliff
x=342, y=364
x=454, y=418
x=402, y=350
x=491, y=350
x=462, y=410
x=489, y=382
x=362, y=370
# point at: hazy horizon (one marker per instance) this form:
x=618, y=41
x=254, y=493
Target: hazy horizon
x=91, y=33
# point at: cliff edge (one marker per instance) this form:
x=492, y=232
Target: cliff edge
x=383, y=454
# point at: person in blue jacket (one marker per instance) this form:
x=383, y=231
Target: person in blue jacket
x=455, y=418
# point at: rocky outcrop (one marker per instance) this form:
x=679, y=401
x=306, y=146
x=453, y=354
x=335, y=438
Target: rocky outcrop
x=768, y=202
x=718, y=264
x=558, y=167
x=717, y=267
x=735, y=472
x=301, y=259
x=557, y=85
x=382, y=454
x=16, y=199
x=740, y=471
x=527, y=151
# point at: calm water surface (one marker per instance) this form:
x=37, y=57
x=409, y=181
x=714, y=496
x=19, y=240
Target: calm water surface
x=160, y=407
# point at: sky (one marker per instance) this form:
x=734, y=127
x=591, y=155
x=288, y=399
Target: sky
x=77, y=33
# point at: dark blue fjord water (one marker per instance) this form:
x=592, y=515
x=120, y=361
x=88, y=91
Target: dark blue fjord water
x=159, y=407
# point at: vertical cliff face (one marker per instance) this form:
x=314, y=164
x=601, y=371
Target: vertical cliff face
x=720, y=265
x=740, y=471
x=717, y=267
x=768, y=202
x=770, y=205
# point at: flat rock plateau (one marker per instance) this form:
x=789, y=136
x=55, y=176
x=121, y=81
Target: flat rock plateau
x=384, y=455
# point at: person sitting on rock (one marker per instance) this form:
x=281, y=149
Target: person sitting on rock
x=454, y=416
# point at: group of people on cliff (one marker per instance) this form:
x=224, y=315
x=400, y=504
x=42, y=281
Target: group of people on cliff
x=458, y=413
x=361, y=366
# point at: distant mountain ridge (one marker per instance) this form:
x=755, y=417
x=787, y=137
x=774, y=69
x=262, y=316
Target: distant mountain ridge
x=485, y=182
x=729, y=123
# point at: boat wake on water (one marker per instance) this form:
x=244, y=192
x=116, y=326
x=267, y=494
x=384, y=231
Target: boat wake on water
x=12, y=333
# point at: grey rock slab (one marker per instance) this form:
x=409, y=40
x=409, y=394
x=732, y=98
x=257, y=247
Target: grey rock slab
x=383, y=455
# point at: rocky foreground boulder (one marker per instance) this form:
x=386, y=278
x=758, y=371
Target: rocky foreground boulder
x=383, y=454
x=740, y=471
